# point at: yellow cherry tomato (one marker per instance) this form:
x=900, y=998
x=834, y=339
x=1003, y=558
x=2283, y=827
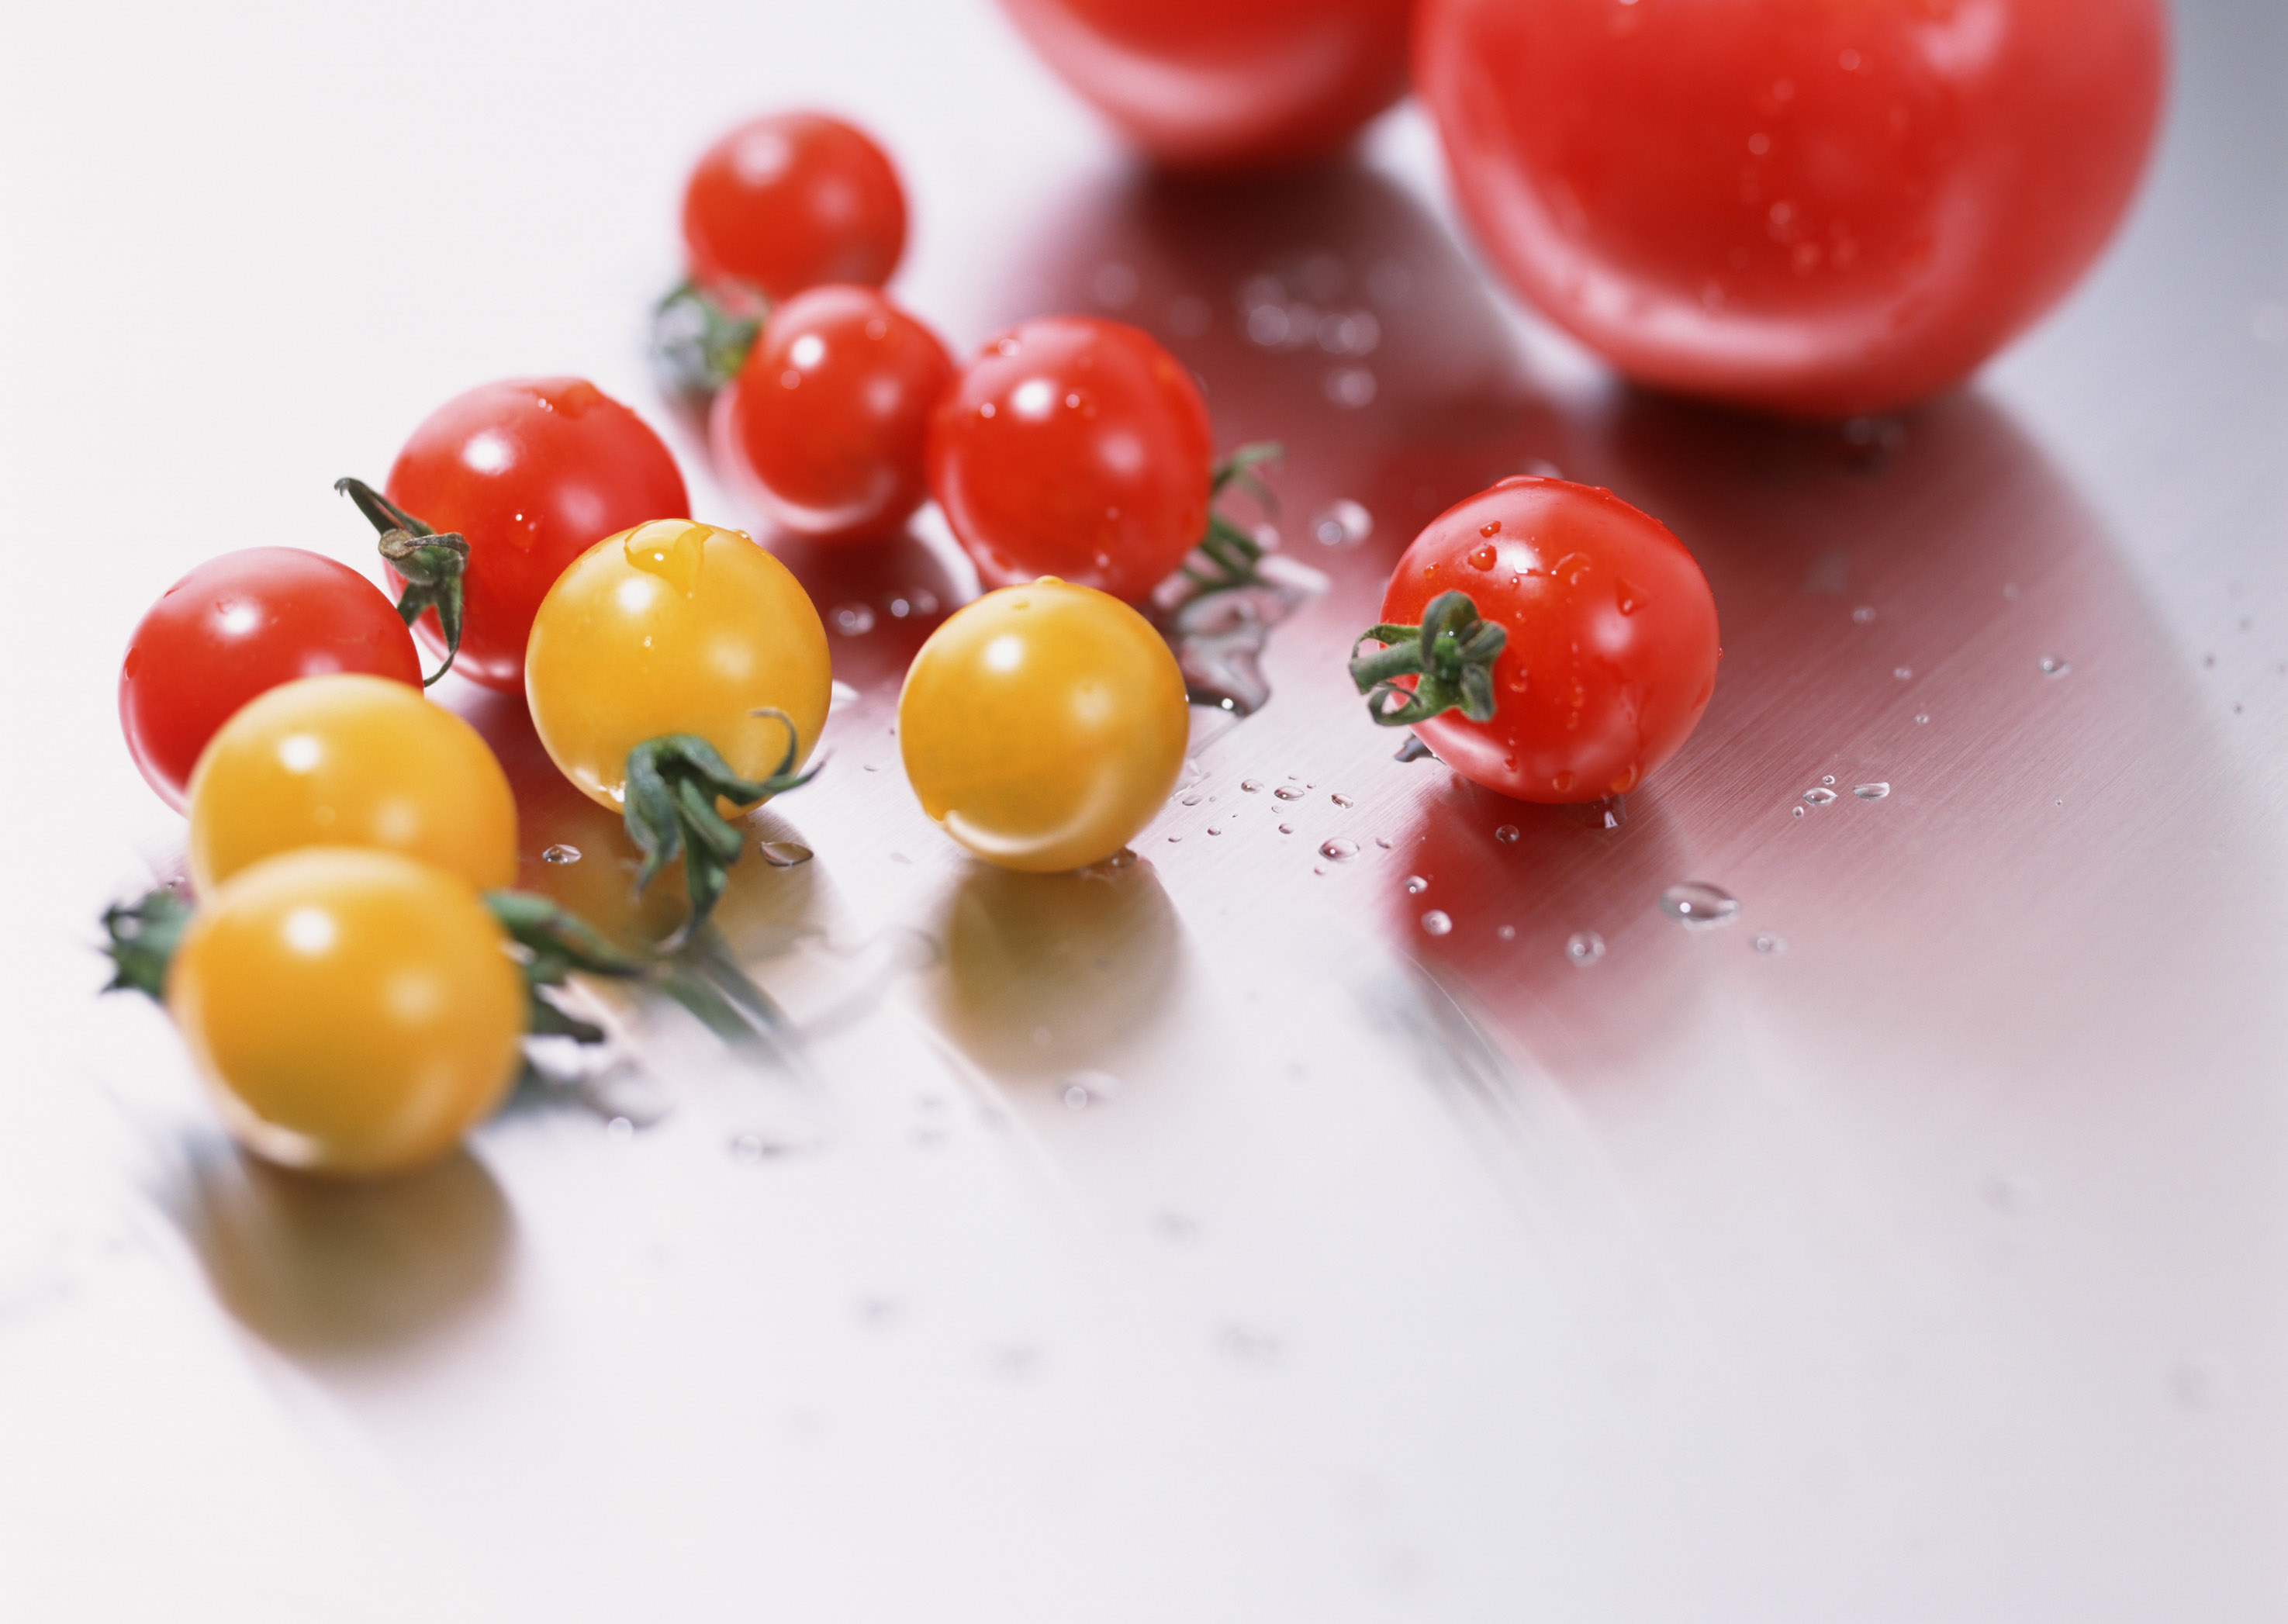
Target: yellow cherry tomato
x=1044, y=725
x=674, y=627
x=353, y=1010
x=350, y=761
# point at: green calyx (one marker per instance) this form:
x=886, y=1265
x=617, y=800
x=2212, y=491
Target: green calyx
x=1227, y=555
x=1450, y=654
x=702, y=336
x=432, y=564
x=672, y=785
x=554, y=943
x=141, y=937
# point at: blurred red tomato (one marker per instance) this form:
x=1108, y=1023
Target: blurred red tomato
x=791, y=200
x=1816, y=209
x=534, y=473
x=1205, y=84
x=238, y=626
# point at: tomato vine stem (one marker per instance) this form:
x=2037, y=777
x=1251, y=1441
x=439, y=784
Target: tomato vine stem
x=432, y=564
x=1230, y=553
x=673, y=783
x=140, y=940
x=1450, y=654
x=701, y=334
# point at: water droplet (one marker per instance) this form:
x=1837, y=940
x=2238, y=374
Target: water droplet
x=1921, y=718
x=1173, y=839
x=1698, y=904
x=1875, y=791
x=1818, y=795
x=1861, y=615
x=1508, y=933
x=1341, y=851
x=783, y=853
x=1506, y=834
x=1492, y=526
x=1286, y=828
x=840, y=695
x=1215, y=828
x=1382, y=842
x=1769, y=944
x=1342, y=523
x=1563, y=783
x=1082, y=1089
x=674, y=550
x=1191, y=800
x=1436, y=924
x=1903, y=672
x=1518, y=680
x=619, y=1131
x=1341, y=800
x=1585, y=948
x=1483, y=557
x=854, y=620
x=1250, y=785
x=561, y=854
x=1572, y=569
x=1288, y=792
x=1416, y=885
x=1629, y=596
x=2052, y=665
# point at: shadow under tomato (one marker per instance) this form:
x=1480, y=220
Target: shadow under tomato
x=1048, y=974
x=326, y=1270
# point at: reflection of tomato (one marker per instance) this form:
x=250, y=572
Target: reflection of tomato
x=1043, y=725
x=674, y=627
x=1073, y=448
x=1211, y=84
x=1821, y=210
x=1611, y=650
x=350, y=761
x=829, y=413
x=791, y=200
x=533, y=472
x=355, y=1011
x=235, y=627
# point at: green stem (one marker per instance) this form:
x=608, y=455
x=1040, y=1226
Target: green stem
x=1450, y=654
x=673, y=783
x=432, y=564
x=703, y=336
x=142, y=939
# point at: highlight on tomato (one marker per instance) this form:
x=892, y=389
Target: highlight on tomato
x=351, y=760
x=1205, y=84
x=1821, y=210
x=676, y=671
x=1547, y=640
x=526, y=475
x=1077, y=447
x=1043, y=725
x=828, y=419
x=236, y=627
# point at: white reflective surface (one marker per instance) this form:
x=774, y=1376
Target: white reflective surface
x=1208, y=1240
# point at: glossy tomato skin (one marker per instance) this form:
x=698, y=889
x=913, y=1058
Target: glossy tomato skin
x=1210, y=84
x=237, y=626
x=791, y=200
x=1075, y=447
x=353, y=1011
x=1043, y=725
x=533, y=472
x=1611, y=651
x=351, y=760
x=674, y=627
x=1818, y=209
x=830, y=413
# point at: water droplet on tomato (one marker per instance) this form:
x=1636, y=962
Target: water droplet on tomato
x=1436, y=923
x=1870, y=792
x=561, y=854
x=672, y=549
x=1625, y=779
x=1629, y=596
x=1563, y=783
x=1518, y=680
x=1341, y=851
x=1585, y=948
x=1483, y=557
x=1492, y=526
x=1698, y=904
x=1572, y=569
x=1416, y=885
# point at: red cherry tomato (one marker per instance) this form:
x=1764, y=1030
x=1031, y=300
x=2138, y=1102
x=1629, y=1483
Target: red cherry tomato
x=534, y=473
x=238, y=626
x=1213, y=84
x=791, y=200
x=1819, y=210
x=1073, y=448
x=1611, y=650
x=831, y=413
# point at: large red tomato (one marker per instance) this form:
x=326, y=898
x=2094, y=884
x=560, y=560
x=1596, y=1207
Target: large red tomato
x=533, y=472
x=1211, y=84
x=1816, y=208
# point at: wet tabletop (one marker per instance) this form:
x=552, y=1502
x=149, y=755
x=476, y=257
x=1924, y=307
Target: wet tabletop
x=1368, y=1204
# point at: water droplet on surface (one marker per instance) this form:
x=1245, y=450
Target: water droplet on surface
x=1769, y=944
x=1585, y=948
x=1861, y=615
x=1875, y=791
x=1382, y=842
x=1508, y=933
x=1830, y=779
x=619, y=1131
x=783, y=853
x=1697, y=904
x=1341, y=851
x=1416, y=885
x=1288, y=792
x=2052, y=665
x=1250, y=785
x=1506, y=834
x=1342, y=523
x=1921, y=718
x=561, y=854
x=1341, y=800
x=1082, y=1089
x=1818, y=796
x=1436, y=924
x=1191, y=800
x=1903, y=672
x=854, y=620
x=1286, y=828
